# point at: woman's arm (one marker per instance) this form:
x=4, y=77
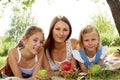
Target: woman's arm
x=13, y=62
x=74, y=63
x=47, y=67
x=74, y=43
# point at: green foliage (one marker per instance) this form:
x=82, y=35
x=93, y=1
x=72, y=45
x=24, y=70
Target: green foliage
x=110, y=40
x=28, y=3
x=7, y=3
x=106, y=28
x=20, y=19
x=19, y=24
x=6, y=43
x=106, y=40
x=103, y=24
x=113, y=49
x=2, y=61
x=104, y=75
x=116, y=41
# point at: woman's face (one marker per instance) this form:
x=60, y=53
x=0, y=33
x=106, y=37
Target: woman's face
x=34, y=43
x=60, y=32
x=90, y=41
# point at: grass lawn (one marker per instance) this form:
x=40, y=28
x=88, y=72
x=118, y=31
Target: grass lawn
x=2, y=60
x=113, y=49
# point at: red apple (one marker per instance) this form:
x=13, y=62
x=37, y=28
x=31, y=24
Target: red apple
x=66, y=66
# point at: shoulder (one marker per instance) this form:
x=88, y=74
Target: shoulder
x=77, y=56
x=74, y=43
x=73, y=40
x=12, y=52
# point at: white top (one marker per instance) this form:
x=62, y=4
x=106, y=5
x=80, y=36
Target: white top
x=24, y=70
x=78, y=57
x=55, y=66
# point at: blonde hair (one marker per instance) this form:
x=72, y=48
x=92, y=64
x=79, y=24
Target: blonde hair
x=88, y=29
x=28, y=33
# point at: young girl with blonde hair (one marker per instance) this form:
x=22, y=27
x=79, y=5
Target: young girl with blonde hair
x=91, y=50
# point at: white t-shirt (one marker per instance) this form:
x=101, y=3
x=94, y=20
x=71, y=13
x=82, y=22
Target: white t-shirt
x=78, y=57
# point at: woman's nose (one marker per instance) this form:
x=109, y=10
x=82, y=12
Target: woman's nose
x=61, y=33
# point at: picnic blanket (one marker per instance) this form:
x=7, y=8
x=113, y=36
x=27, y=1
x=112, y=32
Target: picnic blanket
x=112, y=61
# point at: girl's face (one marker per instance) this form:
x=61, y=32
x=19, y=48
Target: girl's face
x=34, y=43
x=90, y=41
x=61, y=31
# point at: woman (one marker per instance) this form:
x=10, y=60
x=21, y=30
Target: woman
x=58, y=47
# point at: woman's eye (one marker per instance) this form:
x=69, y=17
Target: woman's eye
x=35, y=40
x=57, y=28
x=85, y=40
x=65, y=30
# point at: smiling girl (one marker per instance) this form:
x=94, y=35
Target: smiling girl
x=24, y=57
x=91, y=51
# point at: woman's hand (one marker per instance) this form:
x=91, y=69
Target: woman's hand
x=68, y=73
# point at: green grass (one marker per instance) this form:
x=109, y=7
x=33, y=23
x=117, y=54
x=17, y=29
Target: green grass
x=113, y=49
x=2, y=60
x=104, y=75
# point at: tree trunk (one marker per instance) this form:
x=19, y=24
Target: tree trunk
x=115, y=9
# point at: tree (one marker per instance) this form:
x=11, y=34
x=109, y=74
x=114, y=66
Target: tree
x=21, y=18
x=19, y=24
x=103, y=24
x=115, y=9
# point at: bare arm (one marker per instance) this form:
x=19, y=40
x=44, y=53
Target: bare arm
x=83, y=67
x=101, y=62
x=74, y=63
x=75, y=44
x=13, y=61
x=39, y=64
x=47, y=67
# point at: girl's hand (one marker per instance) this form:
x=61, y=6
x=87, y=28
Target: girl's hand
x=41, y=77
